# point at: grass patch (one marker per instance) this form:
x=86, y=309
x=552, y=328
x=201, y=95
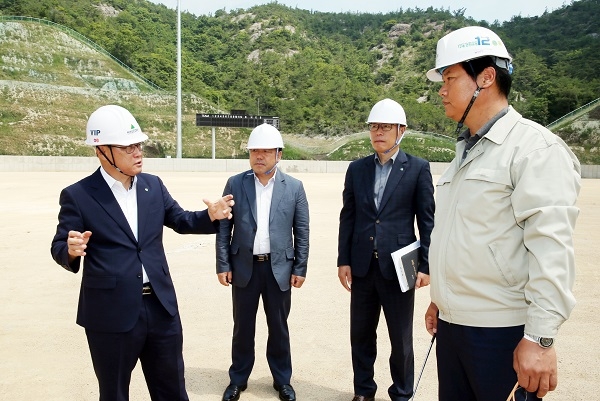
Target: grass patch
x=10, y=116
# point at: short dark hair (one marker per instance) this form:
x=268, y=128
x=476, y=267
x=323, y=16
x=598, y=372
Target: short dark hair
x=474, y=68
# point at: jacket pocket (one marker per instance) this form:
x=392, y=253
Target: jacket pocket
x=495, y=176
x=100, y=282
x=502, y=265
x=443, y=181
x=234, y=249
x=289, y=253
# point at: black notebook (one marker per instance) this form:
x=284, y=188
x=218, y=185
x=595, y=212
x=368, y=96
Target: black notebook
x=406, y=262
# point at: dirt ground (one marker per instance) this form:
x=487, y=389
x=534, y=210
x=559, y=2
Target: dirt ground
x=45, y=355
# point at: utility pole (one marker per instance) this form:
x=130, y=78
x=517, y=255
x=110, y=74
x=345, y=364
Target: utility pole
x=179, y=152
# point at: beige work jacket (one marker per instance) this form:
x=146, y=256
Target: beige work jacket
x=502, y=248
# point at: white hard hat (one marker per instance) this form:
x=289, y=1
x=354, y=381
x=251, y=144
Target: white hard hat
x=467, y=44
x=265, y=136
x=387, y=111
x=113, y=125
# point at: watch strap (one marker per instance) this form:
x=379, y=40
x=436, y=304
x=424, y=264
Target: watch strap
x=544, y=342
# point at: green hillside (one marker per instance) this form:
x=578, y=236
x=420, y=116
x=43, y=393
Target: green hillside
x=319, y=72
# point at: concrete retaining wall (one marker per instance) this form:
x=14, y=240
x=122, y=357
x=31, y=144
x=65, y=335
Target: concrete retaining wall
x=87, y=164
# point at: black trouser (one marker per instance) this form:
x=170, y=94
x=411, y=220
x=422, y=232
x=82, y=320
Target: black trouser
x=369, y=295
x=156, y=340
x=277, y=306
x=476, y=363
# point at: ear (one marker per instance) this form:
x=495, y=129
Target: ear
x=487, y=77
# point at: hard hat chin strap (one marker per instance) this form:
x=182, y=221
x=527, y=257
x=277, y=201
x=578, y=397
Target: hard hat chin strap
x=276, y=162
x=398, y=140
x=464, y=116
x=277, y=158
x=112, y=163
x=270, y=171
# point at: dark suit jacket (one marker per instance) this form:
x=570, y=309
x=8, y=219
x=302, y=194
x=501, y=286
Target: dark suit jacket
x=288, y=230
x=111, y=288
x=408, y=195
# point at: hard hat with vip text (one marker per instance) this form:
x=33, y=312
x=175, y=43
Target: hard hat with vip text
x=113, y=125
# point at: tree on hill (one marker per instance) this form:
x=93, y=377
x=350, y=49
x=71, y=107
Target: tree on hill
x=321, y=72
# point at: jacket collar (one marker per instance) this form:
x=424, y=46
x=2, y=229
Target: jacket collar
x=394, y=178
x=500, y=130
x=496, y=134
x=250, y=191
x=368, y=168
x=101, y=192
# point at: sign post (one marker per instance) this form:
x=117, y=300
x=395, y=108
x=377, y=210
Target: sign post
x=238, y=119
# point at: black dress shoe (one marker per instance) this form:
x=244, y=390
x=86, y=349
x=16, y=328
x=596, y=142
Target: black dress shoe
x=286, y=392
x=363, y=398
x=233, y=391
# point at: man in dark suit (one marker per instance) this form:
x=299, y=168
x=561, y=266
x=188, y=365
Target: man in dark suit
x=383, y=195
x=114, y=220
x=266, y=256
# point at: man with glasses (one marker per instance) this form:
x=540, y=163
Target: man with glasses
x=113, y=220
x=383, y=195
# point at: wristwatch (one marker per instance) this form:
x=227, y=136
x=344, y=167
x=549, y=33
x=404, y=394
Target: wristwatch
x=544, y=342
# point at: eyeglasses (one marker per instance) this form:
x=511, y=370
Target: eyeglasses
x=131, y=148
x=374, y=127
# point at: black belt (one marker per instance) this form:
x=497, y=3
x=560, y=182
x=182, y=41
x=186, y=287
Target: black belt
x=146, y=289
x=264, y=257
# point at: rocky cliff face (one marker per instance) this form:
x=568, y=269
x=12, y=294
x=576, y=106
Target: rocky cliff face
x=34, y=52
x=51, y=81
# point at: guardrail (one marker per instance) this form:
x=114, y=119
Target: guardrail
x=575, y=113
x=327, y=147
x=82, y=38
x=20, y=164
x=435, y=134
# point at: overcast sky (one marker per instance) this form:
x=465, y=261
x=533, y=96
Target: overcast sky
x=479, y=10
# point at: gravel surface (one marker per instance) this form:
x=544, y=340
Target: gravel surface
x=45, y=355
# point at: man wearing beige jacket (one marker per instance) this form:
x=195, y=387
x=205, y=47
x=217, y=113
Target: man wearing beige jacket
x=501, y=256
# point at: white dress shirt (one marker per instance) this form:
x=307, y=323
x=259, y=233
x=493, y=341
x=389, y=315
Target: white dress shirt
x=264, y=193
x=127, y=199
